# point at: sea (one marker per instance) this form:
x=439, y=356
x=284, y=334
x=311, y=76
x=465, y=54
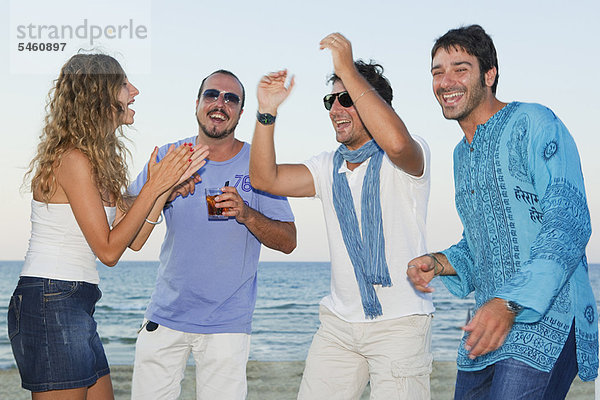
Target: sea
x=285, y=319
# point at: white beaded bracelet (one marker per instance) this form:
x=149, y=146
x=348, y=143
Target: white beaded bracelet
x=160, y=219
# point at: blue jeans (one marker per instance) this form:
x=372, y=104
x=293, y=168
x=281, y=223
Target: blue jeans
x=511, y=379
x=53, y=334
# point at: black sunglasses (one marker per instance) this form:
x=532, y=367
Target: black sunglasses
x=212, y=95
x=343, y=97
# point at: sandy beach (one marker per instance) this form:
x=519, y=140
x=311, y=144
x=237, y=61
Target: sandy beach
x=270, y=381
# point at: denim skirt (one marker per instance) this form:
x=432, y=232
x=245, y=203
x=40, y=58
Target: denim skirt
x=53, y=334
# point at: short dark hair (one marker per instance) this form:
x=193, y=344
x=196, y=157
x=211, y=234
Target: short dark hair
x=373, y=73
x=224, y=72
x=476, y=42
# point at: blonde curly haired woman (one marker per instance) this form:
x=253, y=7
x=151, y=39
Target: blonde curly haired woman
x=79, y=178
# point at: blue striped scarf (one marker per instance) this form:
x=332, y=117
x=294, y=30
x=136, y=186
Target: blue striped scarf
x=367, y=253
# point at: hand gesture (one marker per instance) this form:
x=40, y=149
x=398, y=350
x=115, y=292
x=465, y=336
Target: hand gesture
x=341, y=53
x=185, y=188
x=198, y=159
x=420, y=273
x=488, y=328
x=272, y=91
x=234, y=203
x=176, y=166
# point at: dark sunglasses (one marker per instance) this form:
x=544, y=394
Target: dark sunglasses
x=343, y=97
x=212, y=95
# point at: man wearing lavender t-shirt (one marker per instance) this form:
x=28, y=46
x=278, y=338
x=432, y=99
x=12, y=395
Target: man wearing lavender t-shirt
x=206, y=287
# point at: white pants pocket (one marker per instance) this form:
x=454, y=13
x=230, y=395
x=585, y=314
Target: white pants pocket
x=412, y=376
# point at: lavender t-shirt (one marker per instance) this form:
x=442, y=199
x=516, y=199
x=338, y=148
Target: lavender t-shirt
x=207, y=276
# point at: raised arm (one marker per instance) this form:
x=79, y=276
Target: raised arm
x=77, y=180
x=377, y=115
x=292, y=180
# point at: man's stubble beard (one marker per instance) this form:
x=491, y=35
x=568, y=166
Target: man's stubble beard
x=214, y=134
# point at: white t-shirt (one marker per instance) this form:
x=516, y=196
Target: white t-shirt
x=57, y=248
x=404, y=212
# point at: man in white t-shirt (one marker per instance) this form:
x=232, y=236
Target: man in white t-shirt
x=374, y=189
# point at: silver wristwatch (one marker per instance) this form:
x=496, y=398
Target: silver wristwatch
x=513, y=307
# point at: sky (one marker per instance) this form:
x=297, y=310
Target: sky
x=548, y=53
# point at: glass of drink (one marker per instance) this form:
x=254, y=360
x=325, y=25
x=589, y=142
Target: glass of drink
x=211, y=204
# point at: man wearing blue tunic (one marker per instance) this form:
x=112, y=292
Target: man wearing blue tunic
x=520, y=196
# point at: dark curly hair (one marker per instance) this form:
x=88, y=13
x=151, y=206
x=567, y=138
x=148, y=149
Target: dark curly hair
x=373, y=73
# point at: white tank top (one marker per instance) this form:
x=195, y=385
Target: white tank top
x=57, y=248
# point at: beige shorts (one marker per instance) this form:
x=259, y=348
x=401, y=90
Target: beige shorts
x=161, y=357
x=394, y=355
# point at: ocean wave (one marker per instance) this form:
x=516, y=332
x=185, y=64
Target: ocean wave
x=284, y=322
x=287, y=306
x=120, y=307
x=118, y=340
x=274, y=332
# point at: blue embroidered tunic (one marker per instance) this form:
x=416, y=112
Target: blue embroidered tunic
x=521, y=198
